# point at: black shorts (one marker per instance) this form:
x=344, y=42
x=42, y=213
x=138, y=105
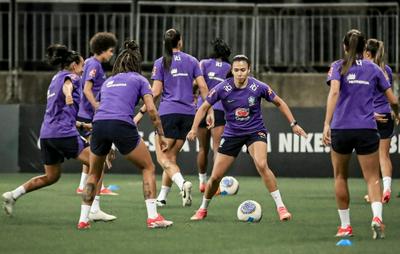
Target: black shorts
x=364, y=141
x=84, y=133
x=176, y=126
x=232, y=145
x=219, y=117
x=386, y=130
x=54, y=150
x=105, y=132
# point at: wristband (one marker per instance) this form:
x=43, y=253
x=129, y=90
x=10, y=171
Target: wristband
x=294, y=123
x=142, y=112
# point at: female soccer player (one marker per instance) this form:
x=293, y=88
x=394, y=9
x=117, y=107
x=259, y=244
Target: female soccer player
x=113, y=123
x=59, y=137
x=214, y=71
x=374, y=51
x=241, y=99
x=173, y=76
x=102, y=45
x=350, y=124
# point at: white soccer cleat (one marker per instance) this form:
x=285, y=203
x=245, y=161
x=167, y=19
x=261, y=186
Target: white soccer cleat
x=8, y=203
x=186, y=194
x=378, y=229
x=161, y=203
x=101, y=216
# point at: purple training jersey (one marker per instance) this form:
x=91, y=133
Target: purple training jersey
x=119, y=95
x=177, y=95
x=355, y=107
x=381, y=103
x=214, y=73
x=242, y=106
x=93, y=71
x=60, y=119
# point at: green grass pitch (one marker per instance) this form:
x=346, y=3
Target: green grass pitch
x=45, y=221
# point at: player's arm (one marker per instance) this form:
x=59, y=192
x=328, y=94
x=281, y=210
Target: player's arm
x=203, y=89
x=156, y=90
x=331, y=101
x=67, y=91
x=394, y=103
x=285, y=110
x=87, y=91
x=201, y=112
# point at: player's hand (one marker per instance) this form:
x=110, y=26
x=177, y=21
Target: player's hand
x=381, y=118
x=163, y=143
x=110, y=157
x=191, y=135
x=299, y=131
x=87, y=126
x=138, y=118
x=210, y=120
x=69, y=100
x=326, y=138
x=96, y=105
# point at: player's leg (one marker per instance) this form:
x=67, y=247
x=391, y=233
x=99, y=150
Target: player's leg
x=203, y=136
x=386, y=168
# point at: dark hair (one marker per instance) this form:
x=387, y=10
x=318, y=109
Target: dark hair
x=377, y=51
x=171, y=39
x=220, y=49
x=354, y=42
x=129, y=59
x=60, y=55
x=238, y=58
x=101, y=42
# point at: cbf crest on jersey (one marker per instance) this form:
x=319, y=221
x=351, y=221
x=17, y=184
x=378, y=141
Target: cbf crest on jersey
x=252, y=101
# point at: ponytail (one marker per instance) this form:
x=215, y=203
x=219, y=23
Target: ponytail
x=171, y=39
x=354, y=43
x=377, y=50
x=59, y=55
x=129, y=59
x=220, y=50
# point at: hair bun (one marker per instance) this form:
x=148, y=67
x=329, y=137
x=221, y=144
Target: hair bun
x=131, y=44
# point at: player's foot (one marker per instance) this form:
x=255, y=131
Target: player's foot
x=386, y=196
x=79, y=191
x=8, y=203
x=378, y=228
x=101, y=216
x=200, y=214
x=161, y=203
x=107, y=192
x=284, y=214
x=366, y=198
x=218, y=192
x=83, y=225
x=202, y=187
x=158, y=222
x=344, y=232
x=186, y=194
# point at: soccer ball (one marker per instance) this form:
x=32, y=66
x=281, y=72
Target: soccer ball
x=229, y=186
x=249, y=211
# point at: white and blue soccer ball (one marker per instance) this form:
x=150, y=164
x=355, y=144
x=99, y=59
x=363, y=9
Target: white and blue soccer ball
x=249, y=211
x=228, y=186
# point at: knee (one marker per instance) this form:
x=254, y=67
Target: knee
x=150, y=168
x=261, y=165
x=166, y=164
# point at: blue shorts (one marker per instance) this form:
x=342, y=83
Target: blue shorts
x=84, y=133
x=105, y=132
x=364, y=141
x=54, y=150
x=219, y=117
x=232, y=145
x=176, y=126
x=386, y=130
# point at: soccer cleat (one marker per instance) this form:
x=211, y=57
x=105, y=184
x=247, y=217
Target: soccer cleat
x=378, y=229
x=161, y=203
x=158, y=222
x=79, y=191
x=186, y=194
x=366, y=198
x=107, y=192
x=344, y=232
x=83, y=225
x=202, y=187
x=200, y=214
x=386, y=196
x=8, y=203
x=284, y=214
x=101, y=216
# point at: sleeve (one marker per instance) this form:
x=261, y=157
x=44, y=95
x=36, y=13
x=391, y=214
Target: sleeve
x=202, y=67
x=145, y=88
x=158, y=71
x=92, y=71
x=390, y=74
x=334, y=72
x=382, y=83
x=196, y=69
x=214, y=94
x=75, y=80
x=267, y=93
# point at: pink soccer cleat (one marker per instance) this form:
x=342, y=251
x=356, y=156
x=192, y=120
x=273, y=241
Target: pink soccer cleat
x=202, y=187
x=158, y=222
x=345, y=232
x=386, y=196
x=79, y=191
x=378, y=229
x=107, y=192
x=284, y=214
x=200, y=214
x=83, y=225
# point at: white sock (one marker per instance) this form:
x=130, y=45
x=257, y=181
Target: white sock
x=95, y=205
x=344, y=217
x=18, y=192
x=387, y=183
x=163, y=193
x=203, y=178
x=178, y=179
x=84, y=178
x=205, y=203
x=85, y=209
x=377, y=209
x=276, y=195
x=151, y=206
x=102, y=187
